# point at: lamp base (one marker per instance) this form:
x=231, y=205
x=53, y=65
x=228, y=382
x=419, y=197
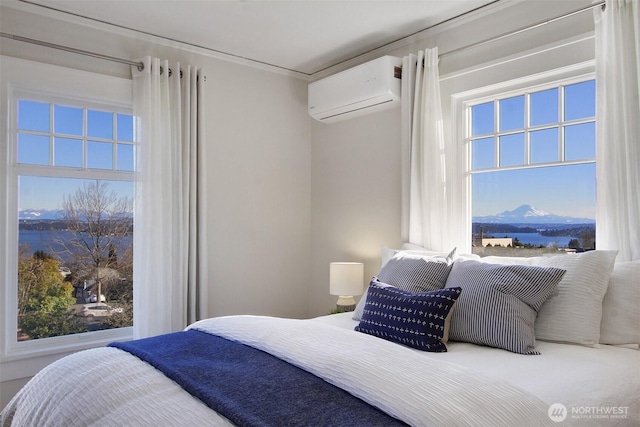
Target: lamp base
x=343, y=309
x=345, y=301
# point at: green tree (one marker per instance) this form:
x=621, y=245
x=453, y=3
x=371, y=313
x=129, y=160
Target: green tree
x=44, y=298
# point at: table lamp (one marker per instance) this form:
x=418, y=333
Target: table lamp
x=345, y=280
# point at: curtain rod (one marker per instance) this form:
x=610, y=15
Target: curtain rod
x=140, y=65
x=521, y=30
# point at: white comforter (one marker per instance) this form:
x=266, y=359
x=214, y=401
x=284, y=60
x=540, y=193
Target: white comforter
x=394, y=378
x=587, y=381
x=108, y=386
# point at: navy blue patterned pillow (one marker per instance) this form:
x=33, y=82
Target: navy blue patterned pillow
x=415, y=320
x=412, y=272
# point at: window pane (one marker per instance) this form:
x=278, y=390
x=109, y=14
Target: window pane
x=512, y=150
x=544, y=107
x=99, y=155
x=99, y=124
x=125, y=157
x=67, y=152
x=544, y=146
x=521, y=203
x=57, y=262
x=33, y=116
x=512, y=113
x=580, y=141
x=68, y=120
x=482, y=153
x=540, y=207
x=33, y=149
x=125, y=127
x=482, y=119
x=59, y=252
x=580, y=100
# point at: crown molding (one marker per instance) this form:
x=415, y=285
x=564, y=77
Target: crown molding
x=132, y=33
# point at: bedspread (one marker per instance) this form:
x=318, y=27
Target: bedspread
x=418, y=390
x=233, y=379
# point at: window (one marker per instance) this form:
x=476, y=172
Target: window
x=531, y=164
x=68, y=134
x=72, y=164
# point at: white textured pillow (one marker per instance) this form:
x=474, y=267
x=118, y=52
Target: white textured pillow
x=411, y=249
x=574, y=312
x=388, y=253
x=621, y=306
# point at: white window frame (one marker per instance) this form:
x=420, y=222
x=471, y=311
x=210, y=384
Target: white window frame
x=461, y=117
x=22, y=79
x=17, y=94
x=527, y=129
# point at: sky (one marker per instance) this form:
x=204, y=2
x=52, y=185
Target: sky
x=56, y=134
x=59, y=135
x=567, y=190
x=560, y=190
x=45, y=193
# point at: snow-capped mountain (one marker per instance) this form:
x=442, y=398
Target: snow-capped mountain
x=49, y=214
x=527, y=214
x=40, y=214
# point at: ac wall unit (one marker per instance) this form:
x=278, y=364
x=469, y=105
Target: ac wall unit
x=364, y=89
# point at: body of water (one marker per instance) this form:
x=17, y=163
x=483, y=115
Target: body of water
x=46, y=240
x=537, y=239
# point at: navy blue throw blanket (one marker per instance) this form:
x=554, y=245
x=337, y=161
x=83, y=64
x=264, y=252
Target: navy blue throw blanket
x=251, y=387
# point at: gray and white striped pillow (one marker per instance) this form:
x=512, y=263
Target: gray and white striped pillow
x=417, y=273
x=412, y=273
x=499, y=303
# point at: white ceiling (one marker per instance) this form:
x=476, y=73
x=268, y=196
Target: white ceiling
x=304, y=36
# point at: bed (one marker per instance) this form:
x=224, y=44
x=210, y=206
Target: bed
x=573, y=382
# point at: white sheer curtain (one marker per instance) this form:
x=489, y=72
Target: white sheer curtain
x=618, y=132
x=427, y=188
x=170, y=259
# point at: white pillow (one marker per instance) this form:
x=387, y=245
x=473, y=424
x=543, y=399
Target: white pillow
x=388, y=253
x=621, y=306
x=411, y=249
x=574, y=312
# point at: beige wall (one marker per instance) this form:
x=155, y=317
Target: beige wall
x=258, y=167
x=288, y=195
x=355, y=197
x=259, y=199
x=258, y=162
x=356, y=174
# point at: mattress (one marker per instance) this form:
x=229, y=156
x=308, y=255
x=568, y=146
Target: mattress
x=588, y=380
x=468, y=385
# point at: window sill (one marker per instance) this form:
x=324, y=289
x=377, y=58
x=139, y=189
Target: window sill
x=25, y=359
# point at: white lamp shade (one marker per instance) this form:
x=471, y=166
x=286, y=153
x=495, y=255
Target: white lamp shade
x=345, y=278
